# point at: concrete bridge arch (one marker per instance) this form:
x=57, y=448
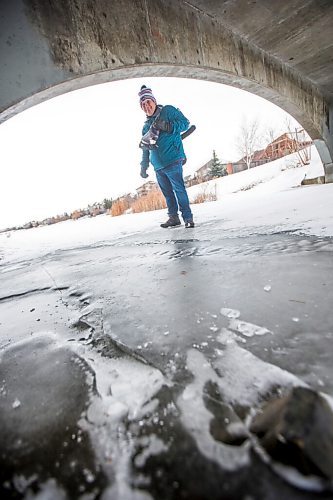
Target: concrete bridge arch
x=278, y=50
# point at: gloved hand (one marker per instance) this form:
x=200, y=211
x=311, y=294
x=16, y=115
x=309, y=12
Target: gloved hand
x=163, y=125
x=143, y=172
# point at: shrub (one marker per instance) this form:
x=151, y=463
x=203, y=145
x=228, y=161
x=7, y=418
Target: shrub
x=76, y=214
x=203, y=196
x=119, y=207
x=250, y=186
x=151, y=201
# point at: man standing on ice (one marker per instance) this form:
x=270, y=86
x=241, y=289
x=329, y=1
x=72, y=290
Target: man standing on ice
x=162, y=146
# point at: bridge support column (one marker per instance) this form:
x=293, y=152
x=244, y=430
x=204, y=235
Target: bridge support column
x=328, y=172
x=326, y=158
x=328, y=136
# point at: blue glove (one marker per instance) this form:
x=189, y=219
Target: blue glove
x=143, y=172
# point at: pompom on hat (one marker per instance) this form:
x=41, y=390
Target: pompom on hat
x=146, y=93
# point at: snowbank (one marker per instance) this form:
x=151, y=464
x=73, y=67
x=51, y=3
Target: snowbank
x=276, y=175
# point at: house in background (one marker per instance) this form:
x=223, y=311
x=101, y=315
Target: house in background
x=146, y=188
x=286, y=144
x=283, y=145
x=202, y=174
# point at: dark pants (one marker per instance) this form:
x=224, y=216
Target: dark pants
x=171, y=182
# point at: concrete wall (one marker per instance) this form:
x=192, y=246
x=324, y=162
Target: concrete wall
x=48, y=47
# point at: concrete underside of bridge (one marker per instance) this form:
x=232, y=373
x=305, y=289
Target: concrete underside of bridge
x=281, y=51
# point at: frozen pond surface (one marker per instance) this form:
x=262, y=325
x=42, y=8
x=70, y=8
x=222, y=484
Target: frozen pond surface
x=128, y=357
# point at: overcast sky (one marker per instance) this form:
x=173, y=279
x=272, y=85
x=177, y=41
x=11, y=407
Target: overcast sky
x=82, y=147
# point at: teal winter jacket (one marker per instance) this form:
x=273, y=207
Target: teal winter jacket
x=169, y=145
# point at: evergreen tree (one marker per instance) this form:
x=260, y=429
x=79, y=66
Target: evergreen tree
x=217, y=169
x=107, y=203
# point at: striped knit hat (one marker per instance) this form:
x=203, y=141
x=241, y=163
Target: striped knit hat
x=146, y=93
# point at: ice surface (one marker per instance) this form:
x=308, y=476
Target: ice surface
x=70, y=271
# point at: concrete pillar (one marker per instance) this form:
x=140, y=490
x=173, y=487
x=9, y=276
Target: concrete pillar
x=328, y=138
x=328, y=172
x=326, y=158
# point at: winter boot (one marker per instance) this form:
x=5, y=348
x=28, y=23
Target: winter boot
x=173, y=221
x=189, y=223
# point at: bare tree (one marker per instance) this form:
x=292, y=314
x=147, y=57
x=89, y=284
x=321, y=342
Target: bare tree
x=249, y=140
x=271, y=133
x=300, y=142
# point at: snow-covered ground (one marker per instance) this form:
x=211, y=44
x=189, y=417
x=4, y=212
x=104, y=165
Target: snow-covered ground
x=270, y=195
x=268, y=178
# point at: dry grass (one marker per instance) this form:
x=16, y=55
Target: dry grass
x=152, y=201
x=76, y=215
x=119, y=207
x=202, y=197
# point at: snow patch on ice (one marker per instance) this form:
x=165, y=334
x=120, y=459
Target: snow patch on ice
x=132, y=383
x=247, y=329
x=245, y=379
x=126, y=393
x=155, y=447
x=230, y=313
x=196, y=418
x=16, y=403
x=48, y=490
x=243, y=327
x=228, y=337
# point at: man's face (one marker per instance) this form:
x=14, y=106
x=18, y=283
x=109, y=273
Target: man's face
x=148, y=106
